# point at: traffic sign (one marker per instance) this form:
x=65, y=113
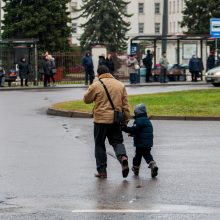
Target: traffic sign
x=215, y=27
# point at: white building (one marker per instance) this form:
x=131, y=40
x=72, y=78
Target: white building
x=146, y=20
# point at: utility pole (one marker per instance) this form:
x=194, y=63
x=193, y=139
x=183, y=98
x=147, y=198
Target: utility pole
x=164, y=25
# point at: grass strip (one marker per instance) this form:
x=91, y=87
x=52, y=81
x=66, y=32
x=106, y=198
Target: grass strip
x=181, y=103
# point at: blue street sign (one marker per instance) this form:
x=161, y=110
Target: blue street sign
x=215, y=27
x=134, y=48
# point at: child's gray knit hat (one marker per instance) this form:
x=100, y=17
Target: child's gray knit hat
x=140, y=109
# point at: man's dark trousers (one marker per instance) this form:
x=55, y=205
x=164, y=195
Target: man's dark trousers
x=89, y=76
x=114, y=134
x=148, y=74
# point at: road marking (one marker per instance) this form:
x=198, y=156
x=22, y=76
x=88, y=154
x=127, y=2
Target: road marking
x=116, y=211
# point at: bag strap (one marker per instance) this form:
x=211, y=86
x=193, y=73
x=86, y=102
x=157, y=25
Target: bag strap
x=107, y=93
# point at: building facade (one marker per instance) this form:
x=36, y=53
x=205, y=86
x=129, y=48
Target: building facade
x=146, y=20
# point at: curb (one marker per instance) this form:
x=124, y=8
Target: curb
x=71, y=114
x=75, y=114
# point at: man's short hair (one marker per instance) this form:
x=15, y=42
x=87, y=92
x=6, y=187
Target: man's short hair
x=102, y=69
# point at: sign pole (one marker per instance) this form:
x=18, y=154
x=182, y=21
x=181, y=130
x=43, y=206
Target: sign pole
x=216, y=49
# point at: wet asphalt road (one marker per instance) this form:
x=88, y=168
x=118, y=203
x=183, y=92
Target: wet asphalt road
x=47, y=165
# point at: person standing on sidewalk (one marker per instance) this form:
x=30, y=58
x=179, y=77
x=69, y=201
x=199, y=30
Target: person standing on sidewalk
x=163, y=65
x=147, y=61
x=89, y=68
x=103, y=113
x=133, y=68
x=52, y=69
x=46, y=69
x=194, y=67
x=142, y=132
x=23, y=71
x=2, y=76
x=210, y=61
x=110, y=64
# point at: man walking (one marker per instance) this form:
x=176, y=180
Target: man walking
x=103, y=114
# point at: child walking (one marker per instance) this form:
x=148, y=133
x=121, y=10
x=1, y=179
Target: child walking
x=142, y=132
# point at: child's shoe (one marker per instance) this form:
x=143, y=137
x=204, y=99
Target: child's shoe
x=154, y=169
x=135, y=170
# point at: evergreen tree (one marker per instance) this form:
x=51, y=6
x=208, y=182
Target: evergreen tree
x=105, y=25
x=197, y=14
x=45, y=20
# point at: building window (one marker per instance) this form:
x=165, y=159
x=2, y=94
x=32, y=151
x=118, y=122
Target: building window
x=182, y=5
x=125, y=9
x=157, y=8
x=157, y=28
x=174, y=7
x=174, y=27
x=73, y=5
x=74, y=28
x=141, y=28
x=170, y=7
x=178, y=27
x=178, y=6
x=141, y=8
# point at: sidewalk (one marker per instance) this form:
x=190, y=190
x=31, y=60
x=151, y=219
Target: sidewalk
x=127, y=84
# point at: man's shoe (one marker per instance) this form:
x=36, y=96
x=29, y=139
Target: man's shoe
x=135, y=170
x=124, y=165
x=101, y=175
x=154, y=169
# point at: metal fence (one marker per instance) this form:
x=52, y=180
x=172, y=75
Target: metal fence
x=70, y=70
x=69, y=67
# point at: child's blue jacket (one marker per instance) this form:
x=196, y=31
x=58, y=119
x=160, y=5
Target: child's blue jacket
x=142, y=131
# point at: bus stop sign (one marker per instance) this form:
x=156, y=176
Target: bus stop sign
x=215, y=27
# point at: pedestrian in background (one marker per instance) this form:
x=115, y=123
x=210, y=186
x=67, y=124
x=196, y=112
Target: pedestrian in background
x=210, y=61
x=163, y=68
x=201, y=67
x=142, y=133
x=110, y=64
x=2, y=76
x=102, y=60
x=133, y=68
x=46, y=70
x=52, y=69
x=103, y=113
x=23, y=68
x=147, y=61
x=194, y=67
x=89, y=68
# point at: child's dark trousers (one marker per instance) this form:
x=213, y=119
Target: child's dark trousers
x=142, y=152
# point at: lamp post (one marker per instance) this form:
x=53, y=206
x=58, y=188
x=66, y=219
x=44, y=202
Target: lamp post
x=164, y=25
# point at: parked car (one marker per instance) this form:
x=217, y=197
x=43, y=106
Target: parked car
x=10, y=76
x=175, y=72
x=213, y=76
